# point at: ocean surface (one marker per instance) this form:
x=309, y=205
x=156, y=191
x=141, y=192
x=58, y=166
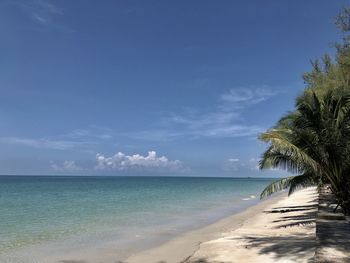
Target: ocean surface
x=45, y=216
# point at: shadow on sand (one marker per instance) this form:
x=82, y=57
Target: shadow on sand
x=295, y=245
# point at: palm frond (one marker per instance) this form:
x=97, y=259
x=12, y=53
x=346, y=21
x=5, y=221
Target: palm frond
x=276, y=186
x=281, y=142
x=282, y=160
x=301, y=181
x=292, y=182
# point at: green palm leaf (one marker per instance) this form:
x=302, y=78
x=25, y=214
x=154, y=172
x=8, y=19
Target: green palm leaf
x=281, y=142
x=293, y=183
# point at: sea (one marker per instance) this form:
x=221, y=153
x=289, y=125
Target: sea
x=44, y=217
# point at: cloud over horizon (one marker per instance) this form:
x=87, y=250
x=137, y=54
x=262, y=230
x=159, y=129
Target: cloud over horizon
x=150, y=162
x=66, y=166
x=235, y=164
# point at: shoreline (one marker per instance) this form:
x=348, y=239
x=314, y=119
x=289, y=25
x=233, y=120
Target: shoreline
x=184, y=242
x=222, y=240
x=180, y=248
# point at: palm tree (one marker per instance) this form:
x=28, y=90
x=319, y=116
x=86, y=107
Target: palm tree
x=314, y=143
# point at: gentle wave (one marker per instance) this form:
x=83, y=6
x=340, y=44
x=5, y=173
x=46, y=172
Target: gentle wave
x=38, y=210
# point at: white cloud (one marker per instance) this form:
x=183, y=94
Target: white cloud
x=244, y=97
x=49, y=7
x=233, y=164
x=43, y=12
x=254, y=164
x=225, y=121
x=44, y=143
x=66, y=166
x=196, y=121
x=150, y=162
x=215, y=124
x=73, y=140
x=228, y=130
x=154, y=135
x=39, y=18
x=76, y=139
x=96, y=133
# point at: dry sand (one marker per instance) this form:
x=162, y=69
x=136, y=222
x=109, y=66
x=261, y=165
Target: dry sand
x=281, y=229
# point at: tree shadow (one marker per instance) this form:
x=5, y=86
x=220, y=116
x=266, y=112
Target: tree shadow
x=307, y=217
x=296, y=208
x=332, y=229
x=334, y=234
x=293, y=246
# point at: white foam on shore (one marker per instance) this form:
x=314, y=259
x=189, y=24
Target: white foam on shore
x=249, y=198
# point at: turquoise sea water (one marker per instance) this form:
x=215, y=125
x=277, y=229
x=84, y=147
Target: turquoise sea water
x=77, y=211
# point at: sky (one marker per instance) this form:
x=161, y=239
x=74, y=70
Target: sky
x=151, y=87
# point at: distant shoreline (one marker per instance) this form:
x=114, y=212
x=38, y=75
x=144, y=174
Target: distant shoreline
x=143, y=176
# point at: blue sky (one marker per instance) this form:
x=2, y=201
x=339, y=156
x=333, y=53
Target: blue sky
x=151, y=87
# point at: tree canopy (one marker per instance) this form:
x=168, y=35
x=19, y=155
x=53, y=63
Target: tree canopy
x=313, y=141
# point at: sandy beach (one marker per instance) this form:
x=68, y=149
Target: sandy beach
x=280, y=229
